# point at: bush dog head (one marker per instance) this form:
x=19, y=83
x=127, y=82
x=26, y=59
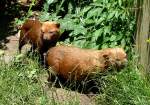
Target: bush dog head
x=50, y=31
x=115, y=57
x=76, y=63
x=41, y=35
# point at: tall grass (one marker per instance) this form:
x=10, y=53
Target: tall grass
x=20, y=84
x=17, y=85
x=128, y=87
x=99, y=24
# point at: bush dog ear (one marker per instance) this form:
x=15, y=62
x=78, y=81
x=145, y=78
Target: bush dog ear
x=58, y=25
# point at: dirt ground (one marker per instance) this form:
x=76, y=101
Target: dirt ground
x=10, y=48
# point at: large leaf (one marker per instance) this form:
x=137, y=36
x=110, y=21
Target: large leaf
x=123, y=42
x=113, y=38
x=97, y=34
x=104, y=46
x=94, y=12
x=117, y=14
x=89, y=22
x=86, y=9
x=107, y=29
x=113, y=44
x=101, y=19
x=111, y=14
x=51, y=1
x=119, y=37
x=78, y=29
x=120, y=2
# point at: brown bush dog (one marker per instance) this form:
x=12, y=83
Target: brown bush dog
x=41, y=35
x=76, y=63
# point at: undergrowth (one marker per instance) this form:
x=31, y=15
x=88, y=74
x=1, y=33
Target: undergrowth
x=92, y=24
x=128, y=87
x=24, y=82
x=21, y=84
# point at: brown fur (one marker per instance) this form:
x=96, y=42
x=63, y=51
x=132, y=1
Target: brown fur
x=42, y=35
x=65, y=60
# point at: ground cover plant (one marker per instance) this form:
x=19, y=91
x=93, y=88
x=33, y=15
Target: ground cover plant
x=21, y=83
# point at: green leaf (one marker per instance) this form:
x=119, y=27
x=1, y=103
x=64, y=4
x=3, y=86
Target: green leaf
x=97, y=3
x=104, y=46
x=98, y=32
x=119, y=36
x=20, y=56
x=106, y=39
x=94, y=12
x=107, y=29
x=86, y=9
x=113, y=37
x=89, y=21
x=116, y=14
x=123, y=42
x=78, y=29
x=79, y=43
x=111, y=15
x=113, y=44
x=120, y=2
x=123, y=15
x=100, y=20
x=92, y=45
x=50, y=1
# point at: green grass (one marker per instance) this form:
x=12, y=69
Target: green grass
x=20, y=84
x=127, y=87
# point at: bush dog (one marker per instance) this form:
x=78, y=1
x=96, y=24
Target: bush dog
x=76, y=63
x=41, y=35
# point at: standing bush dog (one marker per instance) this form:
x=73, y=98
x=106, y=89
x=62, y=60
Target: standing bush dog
x=41, y=35
x=76, y=63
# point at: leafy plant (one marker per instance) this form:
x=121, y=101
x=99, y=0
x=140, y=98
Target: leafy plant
x=100, y=24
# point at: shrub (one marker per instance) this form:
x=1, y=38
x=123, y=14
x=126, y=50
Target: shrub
x=95, y=24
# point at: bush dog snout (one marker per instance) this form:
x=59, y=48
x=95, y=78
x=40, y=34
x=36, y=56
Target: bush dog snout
x=77, y=63
x=41, y=35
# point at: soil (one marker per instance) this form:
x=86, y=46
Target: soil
x=10, y=48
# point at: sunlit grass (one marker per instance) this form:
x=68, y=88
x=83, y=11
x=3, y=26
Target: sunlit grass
x=127, y=87
x=20, y=84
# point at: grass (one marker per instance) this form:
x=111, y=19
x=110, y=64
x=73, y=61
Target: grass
x=21, y=84
x=125, y=88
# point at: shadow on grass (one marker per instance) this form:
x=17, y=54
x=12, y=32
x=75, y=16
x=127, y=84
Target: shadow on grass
x=91, y=85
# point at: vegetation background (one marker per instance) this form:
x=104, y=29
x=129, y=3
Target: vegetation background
x=94, y=24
